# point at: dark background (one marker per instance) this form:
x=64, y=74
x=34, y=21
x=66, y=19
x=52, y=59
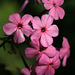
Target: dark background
x=10, y=64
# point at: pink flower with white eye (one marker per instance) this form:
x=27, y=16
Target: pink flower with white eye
x=44, y=30
x=56, y=12
x=19, y=25
x=65, y=51
x=48, y=65
x=36, y=49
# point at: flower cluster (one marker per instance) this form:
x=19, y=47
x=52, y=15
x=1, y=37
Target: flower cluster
x=41, y=34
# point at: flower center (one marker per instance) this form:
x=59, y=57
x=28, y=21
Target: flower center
x=51, y=64
x=54, y=5
x=19, y=26
x=43, y=29
x=42, y=48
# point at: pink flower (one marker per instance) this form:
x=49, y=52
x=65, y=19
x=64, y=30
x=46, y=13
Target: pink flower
x=65, y=51
x=19, y=25
x=48, y=65
x=36, y=49
x=44, y=30
x=56, y=12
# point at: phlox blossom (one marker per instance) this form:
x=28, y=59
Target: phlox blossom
x=19, y=26
x=48, y=65
x=55, y=11
x=44, y=30
x=65, y=51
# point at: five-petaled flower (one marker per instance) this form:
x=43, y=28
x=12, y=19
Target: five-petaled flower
x=65, y=51
x=55, y=11
x=48, y=65
x=44, y=30
x=19, y=25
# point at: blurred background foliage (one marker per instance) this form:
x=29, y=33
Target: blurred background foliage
x=11, y=64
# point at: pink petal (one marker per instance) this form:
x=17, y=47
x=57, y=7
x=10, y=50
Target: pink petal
x=53, y=12
x=36, y=22
x=15, y=18
x=52, y=31
x=60, y=12
x=54, y=59
x=35, y=44
x=40, y=70
x=25, y=71
x=51, y=1
x=63, y=52
x=65, y=43
x=26, y=19
x=46, y=40
x=46, y=20
x=59, y=2
x=56, y=65
x=64, y=61
x=50, y=51
x=50, y=71
x=19, y=37
x=46, y=1
x=49, y=21
x=36, y=34
x=48, y=6
x=31, y=52
x=44, y=60
x=9, y=28
x=27, y=30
